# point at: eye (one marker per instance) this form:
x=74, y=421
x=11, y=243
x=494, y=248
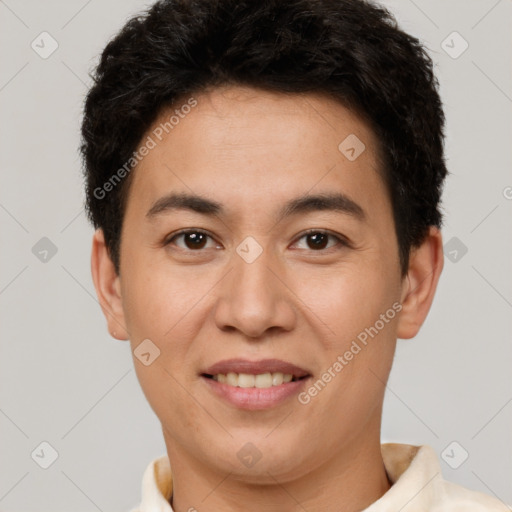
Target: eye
x=318, y=240
x=193, y=239
x=196, y=239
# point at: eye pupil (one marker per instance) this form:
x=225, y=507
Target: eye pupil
x=195, y=240
x=319, y=240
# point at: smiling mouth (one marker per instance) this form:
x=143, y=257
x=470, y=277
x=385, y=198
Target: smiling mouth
x=261, y=380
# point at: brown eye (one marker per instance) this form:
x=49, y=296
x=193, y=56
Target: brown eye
x=320, y=240
x=317, y=240
x=194, y=240
x=190, y=240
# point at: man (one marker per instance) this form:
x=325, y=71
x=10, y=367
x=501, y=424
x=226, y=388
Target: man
x=265, y=180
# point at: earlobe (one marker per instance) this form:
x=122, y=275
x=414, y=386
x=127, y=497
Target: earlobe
x=420, y=283
x=108, y=287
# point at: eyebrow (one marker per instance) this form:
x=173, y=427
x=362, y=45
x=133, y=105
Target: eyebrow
x=304, y=204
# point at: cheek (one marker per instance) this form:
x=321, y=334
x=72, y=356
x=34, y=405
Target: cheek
x=167, y=306
x=163, y=307
x=159, y=300
x=359, y=346
x=348, y=300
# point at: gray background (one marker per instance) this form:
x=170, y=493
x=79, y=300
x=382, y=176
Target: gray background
x=65, y=381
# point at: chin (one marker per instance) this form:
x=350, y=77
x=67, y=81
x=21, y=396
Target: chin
x=263, y=460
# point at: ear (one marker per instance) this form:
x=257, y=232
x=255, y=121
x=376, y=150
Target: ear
x=108, y=287
x=419, y=285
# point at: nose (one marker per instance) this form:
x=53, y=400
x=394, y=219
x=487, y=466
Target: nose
x=255, y=298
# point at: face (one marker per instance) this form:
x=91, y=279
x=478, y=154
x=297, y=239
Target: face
x=255, y=249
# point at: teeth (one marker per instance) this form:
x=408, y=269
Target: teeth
x=232, y=379
x=277, y=379
x=246, y=380
x=263, y=380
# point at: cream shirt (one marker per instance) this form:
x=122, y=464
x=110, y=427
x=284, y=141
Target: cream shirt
x=418, y=485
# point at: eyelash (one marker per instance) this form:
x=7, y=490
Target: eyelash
x=341, y=241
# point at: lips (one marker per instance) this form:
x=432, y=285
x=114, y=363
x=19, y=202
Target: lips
x=264, y=366
x=255, y=385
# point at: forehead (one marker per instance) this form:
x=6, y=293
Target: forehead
x=250, y=146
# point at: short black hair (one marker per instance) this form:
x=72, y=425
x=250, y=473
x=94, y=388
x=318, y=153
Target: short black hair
x=350, y=50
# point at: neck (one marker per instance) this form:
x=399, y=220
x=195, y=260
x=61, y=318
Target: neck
x=351, y=479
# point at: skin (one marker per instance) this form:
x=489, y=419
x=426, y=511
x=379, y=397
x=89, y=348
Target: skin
x=253, y=151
